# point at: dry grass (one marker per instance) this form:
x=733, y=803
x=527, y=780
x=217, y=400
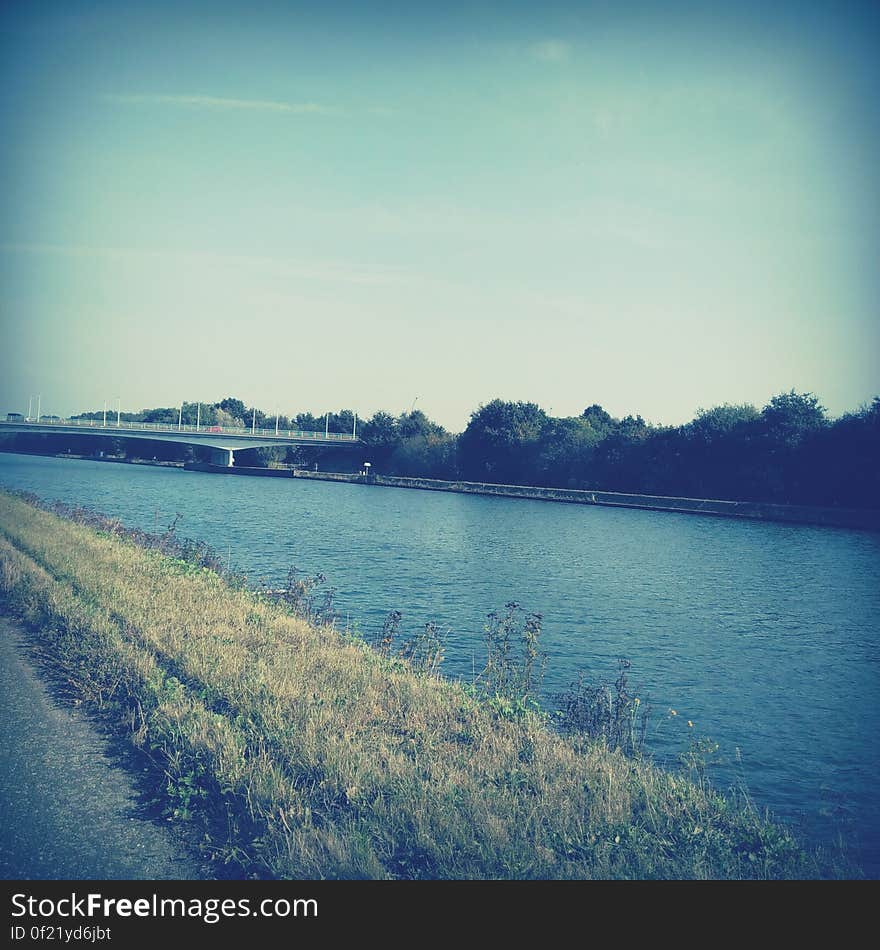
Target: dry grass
x=305, y=755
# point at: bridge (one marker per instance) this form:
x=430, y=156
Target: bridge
x=222, y=440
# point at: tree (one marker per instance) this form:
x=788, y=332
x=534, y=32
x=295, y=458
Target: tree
x=264, y=456
x=502, y=441
x=341, y=422
x=842, y=462
x=201, y=413
x=791, y=417
x=256, y=418
x=714, y=425
x=164, y=416
x=380, y=430
x=566, y=453
x=306, y=422
x=425, y=456
x=226, y=420
x=719, y=454
x=411, y=424
x=235, y=408
x=598, y=418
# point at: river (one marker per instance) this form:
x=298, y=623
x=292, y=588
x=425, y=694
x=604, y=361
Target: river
x=765, y=636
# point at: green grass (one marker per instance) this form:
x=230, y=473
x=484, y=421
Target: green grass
x=299, y=753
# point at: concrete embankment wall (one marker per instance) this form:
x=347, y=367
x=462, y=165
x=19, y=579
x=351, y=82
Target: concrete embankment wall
x=838, y=517
x=237, y=470
x=799, y=514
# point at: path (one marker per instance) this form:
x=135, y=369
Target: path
x=68, y=810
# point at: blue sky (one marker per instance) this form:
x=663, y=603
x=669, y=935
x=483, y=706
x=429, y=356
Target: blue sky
x=655, y=207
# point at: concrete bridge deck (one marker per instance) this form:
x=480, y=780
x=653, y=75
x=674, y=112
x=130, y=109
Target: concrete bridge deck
x=223, y=439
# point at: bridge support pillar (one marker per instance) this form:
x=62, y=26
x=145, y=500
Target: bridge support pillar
x=222, y=457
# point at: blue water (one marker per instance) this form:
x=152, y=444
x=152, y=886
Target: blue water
x=765, y=636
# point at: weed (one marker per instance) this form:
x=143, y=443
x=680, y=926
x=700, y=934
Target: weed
x=514, y=663
x=301, y=595
x=424, y=651
x=605, y=712
x=390, y=628
x=699, y=757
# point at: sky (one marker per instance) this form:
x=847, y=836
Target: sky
x=656, y=207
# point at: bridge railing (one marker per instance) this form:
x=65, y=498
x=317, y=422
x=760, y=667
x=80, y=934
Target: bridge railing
x=286, y=434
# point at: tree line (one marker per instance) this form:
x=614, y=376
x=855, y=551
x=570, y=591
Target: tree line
x=788, y=452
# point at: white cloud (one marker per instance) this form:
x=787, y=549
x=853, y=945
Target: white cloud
x=301, y=269
x=218, y=103
x=550, y=51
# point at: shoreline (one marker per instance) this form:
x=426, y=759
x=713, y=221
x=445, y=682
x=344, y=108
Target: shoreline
x=862, y=519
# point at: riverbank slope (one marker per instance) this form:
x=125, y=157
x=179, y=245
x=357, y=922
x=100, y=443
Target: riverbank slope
x=304, y=754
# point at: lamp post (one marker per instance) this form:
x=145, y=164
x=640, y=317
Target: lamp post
x=118, y=410
x=180, y=418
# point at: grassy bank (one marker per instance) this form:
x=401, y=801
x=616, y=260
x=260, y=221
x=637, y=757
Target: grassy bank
x=303, y=754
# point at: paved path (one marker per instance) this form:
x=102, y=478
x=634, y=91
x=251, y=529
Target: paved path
x=68, y=810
